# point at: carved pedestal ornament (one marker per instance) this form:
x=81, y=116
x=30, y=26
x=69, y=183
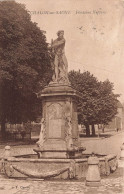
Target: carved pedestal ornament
x=68, y=138
x=42, y=134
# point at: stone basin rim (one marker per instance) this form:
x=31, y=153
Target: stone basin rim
x=67, y=160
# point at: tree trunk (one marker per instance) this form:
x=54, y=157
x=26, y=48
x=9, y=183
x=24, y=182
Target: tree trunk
x=103, y=129
x=93, y=130
x=3, y=129
x=87, y=130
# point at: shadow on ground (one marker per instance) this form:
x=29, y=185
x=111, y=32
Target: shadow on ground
x=96, y=136
x=17, y=142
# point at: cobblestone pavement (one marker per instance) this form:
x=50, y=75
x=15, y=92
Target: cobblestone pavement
x=12, y=186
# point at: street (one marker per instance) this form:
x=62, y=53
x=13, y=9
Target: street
x=110, y=145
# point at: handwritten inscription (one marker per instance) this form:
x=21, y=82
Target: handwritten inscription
x=67, y=12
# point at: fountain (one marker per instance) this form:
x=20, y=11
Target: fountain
x=59, y=152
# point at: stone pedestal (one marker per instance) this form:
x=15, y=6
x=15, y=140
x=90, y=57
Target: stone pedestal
x=59, y=104
x=7, y=152
x=93, y=173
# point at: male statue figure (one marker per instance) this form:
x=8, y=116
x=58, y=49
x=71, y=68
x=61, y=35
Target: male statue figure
x=60, y=61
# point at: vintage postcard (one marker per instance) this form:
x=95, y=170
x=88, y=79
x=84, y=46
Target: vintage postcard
x=61, y=96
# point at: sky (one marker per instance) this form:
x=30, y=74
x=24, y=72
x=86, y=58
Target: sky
x=93, y=31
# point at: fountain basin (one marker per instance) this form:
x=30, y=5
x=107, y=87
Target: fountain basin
x=54, y=168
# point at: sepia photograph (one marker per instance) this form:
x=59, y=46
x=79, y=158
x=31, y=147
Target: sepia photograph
x=61, y=97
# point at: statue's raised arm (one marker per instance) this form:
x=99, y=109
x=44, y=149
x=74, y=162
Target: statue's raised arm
x=60, y=62
x=57, y=43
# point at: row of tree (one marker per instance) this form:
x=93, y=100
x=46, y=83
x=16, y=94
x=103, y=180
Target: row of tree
x=98, y=104
x=25, y=68
x=24, y=64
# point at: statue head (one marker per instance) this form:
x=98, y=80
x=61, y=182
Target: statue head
x=60, y=33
